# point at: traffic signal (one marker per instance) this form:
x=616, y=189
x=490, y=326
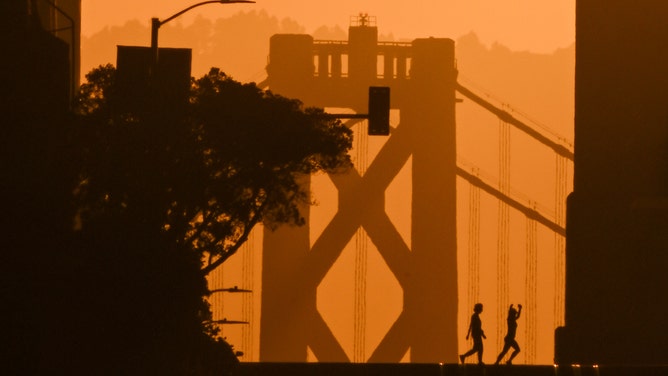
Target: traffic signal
x=379, y=110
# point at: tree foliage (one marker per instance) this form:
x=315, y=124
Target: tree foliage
x=235, y=160
x=161, y=200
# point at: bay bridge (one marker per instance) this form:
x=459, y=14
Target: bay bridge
x=429, y=277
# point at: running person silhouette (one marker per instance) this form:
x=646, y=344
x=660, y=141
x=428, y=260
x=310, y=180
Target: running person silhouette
x=475, y=331
x=509, y=340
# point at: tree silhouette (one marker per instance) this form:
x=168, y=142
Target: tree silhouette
x=258, y=145
x=205, y=180
x=162, y=200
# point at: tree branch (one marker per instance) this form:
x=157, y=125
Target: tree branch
x=242, y=239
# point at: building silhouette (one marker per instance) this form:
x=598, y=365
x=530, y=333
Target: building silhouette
x=62, y=18
x=41, y=40
x=36, y=87
x=617, y=215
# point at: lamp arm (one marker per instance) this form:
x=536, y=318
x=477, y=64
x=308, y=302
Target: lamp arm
x=199, y=4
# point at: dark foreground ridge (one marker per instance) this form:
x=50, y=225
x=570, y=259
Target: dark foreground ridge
x=423, y=369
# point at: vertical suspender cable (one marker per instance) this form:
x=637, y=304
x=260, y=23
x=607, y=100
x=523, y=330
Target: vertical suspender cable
x=217, y=279
x=560, y=241
x=361, y=243
x=474, y=247
x=247, y=273
x=530, y=286
x=359, y=355
x=503, y=246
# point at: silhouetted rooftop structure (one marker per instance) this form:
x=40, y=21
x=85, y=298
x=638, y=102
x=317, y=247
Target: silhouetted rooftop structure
x=617, y=218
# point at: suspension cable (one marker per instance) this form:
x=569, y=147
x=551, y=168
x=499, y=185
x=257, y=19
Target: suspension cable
x=530, y=285
x=503, y=246
x=559, y=240
x=474, y=246
x=361, y=245
x=247, y=273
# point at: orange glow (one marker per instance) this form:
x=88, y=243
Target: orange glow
x=522, y=25
x=504, y=48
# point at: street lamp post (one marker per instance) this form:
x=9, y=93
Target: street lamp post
x=156, y=23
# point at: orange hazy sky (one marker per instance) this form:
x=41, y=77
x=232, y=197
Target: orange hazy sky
x=537, y=26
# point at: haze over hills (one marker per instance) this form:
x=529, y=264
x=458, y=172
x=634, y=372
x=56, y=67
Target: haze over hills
x=538, y=89
x=537, y=84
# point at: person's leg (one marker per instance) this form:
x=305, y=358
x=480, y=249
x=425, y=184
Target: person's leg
x=516, y=350
x=476, y=348
x=463, y=357
x=477, y=343
x=470, y=352
x=480, y=348
x=506, y=347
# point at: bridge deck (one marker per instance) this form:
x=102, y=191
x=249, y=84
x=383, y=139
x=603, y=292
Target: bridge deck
x=406, y=369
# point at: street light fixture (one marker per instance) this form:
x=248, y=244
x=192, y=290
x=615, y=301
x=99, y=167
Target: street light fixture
x=156, y=23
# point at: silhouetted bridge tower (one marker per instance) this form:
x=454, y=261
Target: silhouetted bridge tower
x=422, y=76
x=425, y=269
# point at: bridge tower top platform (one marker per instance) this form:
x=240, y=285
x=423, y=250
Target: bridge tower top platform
x=320, y=71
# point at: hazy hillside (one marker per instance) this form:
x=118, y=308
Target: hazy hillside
x=541, y=86
x=239, y=45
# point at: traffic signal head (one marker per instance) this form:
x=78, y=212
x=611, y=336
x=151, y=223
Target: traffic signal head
x=379, y=110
